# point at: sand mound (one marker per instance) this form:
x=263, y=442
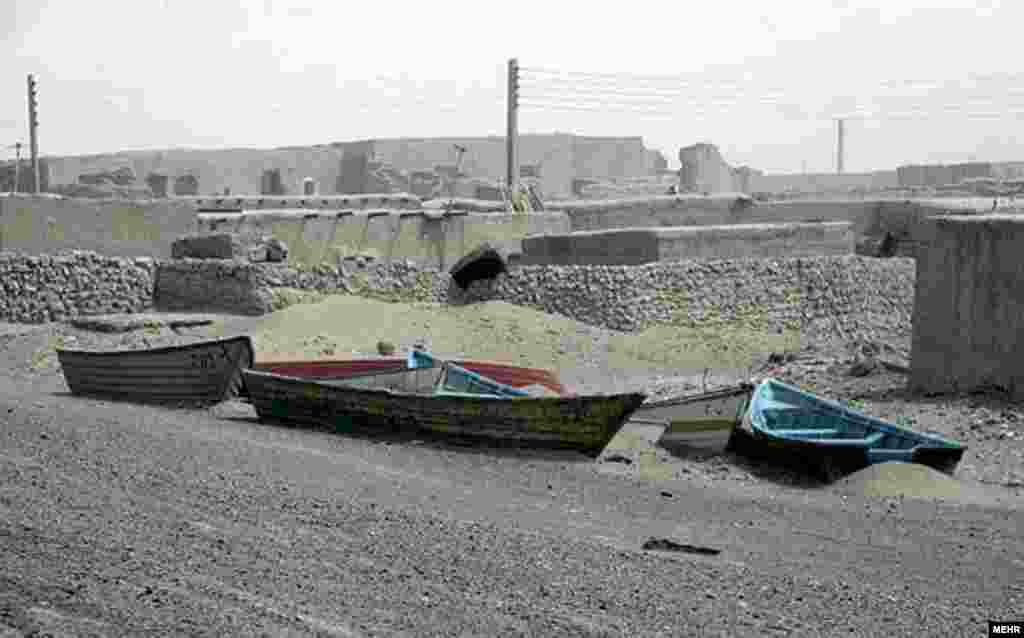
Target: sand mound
x=895, y=478
x=342, y=324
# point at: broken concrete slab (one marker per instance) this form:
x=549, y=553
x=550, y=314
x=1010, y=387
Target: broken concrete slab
x=128, y=323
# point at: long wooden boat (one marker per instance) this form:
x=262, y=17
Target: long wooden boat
x=408, y=399
x=208, y=371
x=787, y=424
x=326, y=369
x=703, y=420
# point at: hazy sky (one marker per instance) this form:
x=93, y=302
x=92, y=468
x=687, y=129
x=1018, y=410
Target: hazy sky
x=762, y=80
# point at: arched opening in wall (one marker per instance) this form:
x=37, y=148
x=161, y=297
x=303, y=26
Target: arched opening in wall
x=483, y=262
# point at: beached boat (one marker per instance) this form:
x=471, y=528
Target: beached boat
x=416, y=399
x=703, y=420
x=207, y=371
x=788, y=424
x=327, y=369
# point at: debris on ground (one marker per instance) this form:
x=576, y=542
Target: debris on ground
x=667, y=545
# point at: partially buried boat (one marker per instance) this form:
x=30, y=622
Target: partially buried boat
x=336, y=369
x=704, y=420
x=789, y=425
x=204, y=372
x=445, y=400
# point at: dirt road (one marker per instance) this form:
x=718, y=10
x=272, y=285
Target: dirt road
x=118, y=519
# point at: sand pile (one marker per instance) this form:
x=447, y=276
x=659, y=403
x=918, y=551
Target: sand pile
x=896, y=478
x=341, y=325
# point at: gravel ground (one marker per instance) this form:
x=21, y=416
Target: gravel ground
x=131, y=520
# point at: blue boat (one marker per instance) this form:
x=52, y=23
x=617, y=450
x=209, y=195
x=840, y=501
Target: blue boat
x=787, y=424
x=458, y=381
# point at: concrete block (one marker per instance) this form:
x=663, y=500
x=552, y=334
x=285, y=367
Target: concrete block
x=968, y=305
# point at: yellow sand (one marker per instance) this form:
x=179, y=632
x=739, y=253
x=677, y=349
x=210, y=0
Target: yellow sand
x=902, y=479
x=342, y=324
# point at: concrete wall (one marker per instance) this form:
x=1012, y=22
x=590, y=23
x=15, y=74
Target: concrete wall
x=622, y=247
x=822, y=182
x=315, y=237
x=755, y=240
x=47, y=225
x=703, y=170
x=643, y=212
x=875, y=216
x=969, y=301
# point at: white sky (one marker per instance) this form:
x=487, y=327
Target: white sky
x=137, y=74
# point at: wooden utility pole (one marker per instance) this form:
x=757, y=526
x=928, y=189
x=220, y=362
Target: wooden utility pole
x=512, y=134
x=17, y=166
x=33, y=125
x=840, y=134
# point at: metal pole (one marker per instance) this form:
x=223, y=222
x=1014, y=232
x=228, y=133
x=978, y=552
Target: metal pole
x=33, y=125
x=512, y=134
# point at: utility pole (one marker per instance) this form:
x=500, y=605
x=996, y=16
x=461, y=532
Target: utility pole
x=33, y=139
x=17, y=165
x=512, y=134
x=839, y=145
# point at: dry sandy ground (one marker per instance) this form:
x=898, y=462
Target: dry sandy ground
x=118, y=519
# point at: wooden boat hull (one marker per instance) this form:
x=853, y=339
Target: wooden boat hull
x=703, y=420
x=323, y=369
x=208, y=371
x=585, y=423
x=830, y=440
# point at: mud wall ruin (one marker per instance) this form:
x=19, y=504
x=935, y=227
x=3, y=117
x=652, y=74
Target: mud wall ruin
x=239, y=170
x=969, y=300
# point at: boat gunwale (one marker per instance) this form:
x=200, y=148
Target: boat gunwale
x=161, y=349
x=381, y=392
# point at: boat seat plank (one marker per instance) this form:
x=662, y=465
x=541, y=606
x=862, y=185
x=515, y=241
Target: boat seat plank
x=878, y=455
x=816, y=433
x=862, y=442
x=772, y=404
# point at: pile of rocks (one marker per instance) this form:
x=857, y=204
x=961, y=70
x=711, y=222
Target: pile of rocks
x=37, y=289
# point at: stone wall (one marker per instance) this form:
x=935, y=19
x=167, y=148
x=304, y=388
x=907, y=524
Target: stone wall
x=257, y=288
x=823, y=297
x=37, y=289
x=315, y=237
x=970, y=301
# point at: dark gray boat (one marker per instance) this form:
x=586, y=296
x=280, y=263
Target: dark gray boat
x=204, y=372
